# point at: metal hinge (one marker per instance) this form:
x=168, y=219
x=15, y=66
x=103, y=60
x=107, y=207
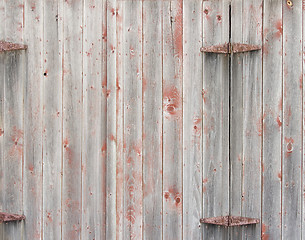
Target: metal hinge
x=228, y=48
x=9, y=46
x=7, y=217
x=229, y=221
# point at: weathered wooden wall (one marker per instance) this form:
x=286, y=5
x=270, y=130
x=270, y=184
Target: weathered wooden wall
x=113, y=124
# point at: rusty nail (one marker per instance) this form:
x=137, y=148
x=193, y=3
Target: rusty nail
x=289, y=3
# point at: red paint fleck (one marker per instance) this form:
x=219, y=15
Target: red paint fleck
x=17, y=140
x=104, y=37
x=1, y=132
x=49, y=217
x=104, y=148
x=266, y=49
x=279, y=28
x=301, y=82
x=166, y=195
x=144, y=84
x=265, y=236
x=68, y=151
x=219, y=17
x=279, y=122
x=113, y=11
x=280, y=175
x=178, y=33
x=205, y=180
x=203, y=92
x=111, y=137
x=31, y=168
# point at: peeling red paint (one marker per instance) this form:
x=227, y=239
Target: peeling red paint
x=265, y=236
x=279, y=122
x=280, y=175
x=279, y=28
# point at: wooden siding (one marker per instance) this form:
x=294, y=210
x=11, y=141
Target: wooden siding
x=113, y=124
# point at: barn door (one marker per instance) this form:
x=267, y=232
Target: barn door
x=232, y=88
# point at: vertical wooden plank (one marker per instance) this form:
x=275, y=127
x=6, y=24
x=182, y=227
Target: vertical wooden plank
x=252, y=117
x=2, y=171
x=152, y=119
x=72, y=120
x=292, y=120
x=111, y=121
x=92, y=174
x=13, y=119
x=215, y=95
x=32, y=169
x=119, y=122
x=2, y=57
x=272, y=120
x=132, y=64
x=192, y=119
x=52, y=118
x=172, y=119
x=236, y=116
x=13, y=141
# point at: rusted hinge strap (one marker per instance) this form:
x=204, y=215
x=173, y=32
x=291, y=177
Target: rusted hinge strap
x=228, y=48
x=9, y=46
x=7, y=217
x=229, y=221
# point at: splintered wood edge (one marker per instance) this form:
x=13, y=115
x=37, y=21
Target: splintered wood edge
x=9, y=46
x=8, y=217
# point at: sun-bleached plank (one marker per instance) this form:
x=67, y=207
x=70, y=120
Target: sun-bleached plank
x=292, y=120
x=252, y=117
x=215, y=95
x=272, y=120
x=52, y=118
x=172, y=119
x=132, y=63
x=32, y=168
x=192, y=119
x=111, y=121
x=72, y=120
x=152, y=119
x=93, y=196
x=14, y=79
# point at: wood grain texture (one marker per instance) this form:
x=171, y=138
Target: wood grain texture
x=252, y=118
x=132, y=63
x=2, y=58
x=13, y=141
x=2, y=170
x=172, y=119
x=192, y=119
x=13, y=118
x=111, y=121
x=236, y=116
x=215, y=118
x=272, y=120
x=52, y=118
x=152, y=119
x=119, y=122
x=72, y=120
x=94, y=144
x=32, y=168
x=292, y=120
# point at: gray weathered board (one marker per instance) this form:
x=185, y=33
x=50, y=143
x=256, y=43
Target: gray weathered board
x=114, y=125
